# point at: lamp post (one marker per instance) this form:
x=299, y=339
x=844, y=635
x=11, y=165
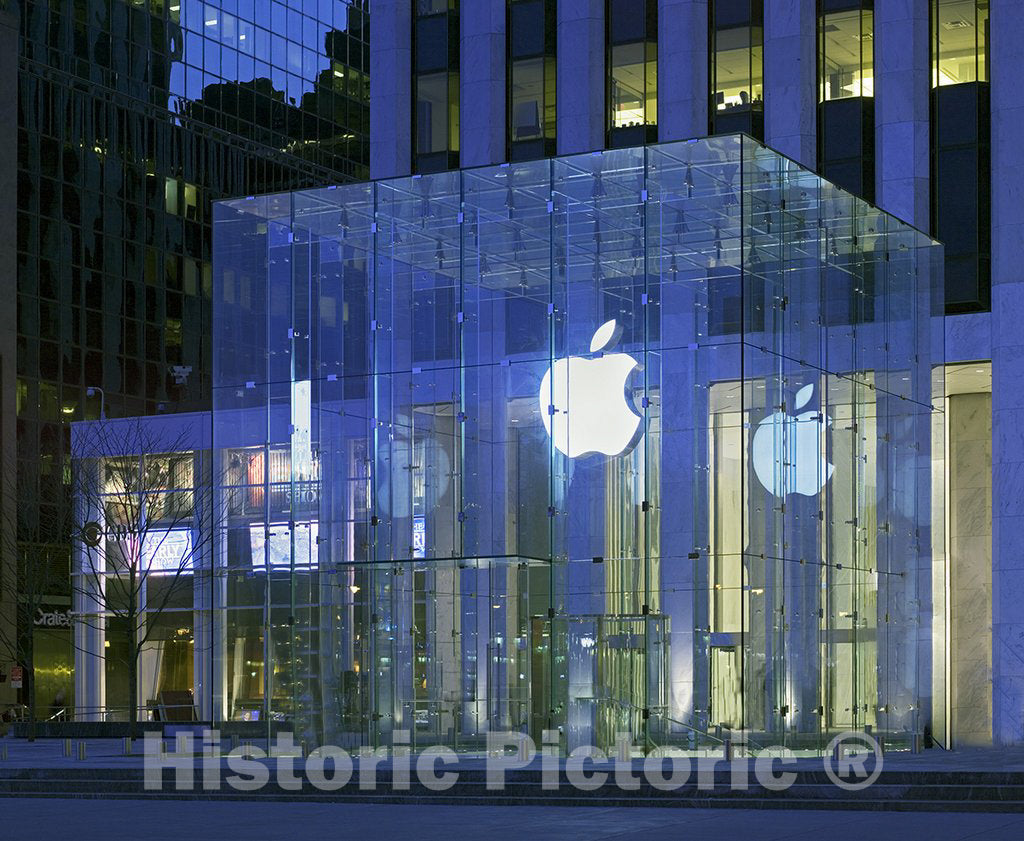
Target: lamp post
x=91, y=392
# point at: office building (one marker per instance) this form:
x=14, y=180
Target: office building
x=913, y=106
x=124, y=121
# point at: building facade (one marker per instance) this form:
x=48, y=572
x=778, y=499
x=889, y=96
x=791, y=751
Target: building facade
x=126, y=119
x=912, y=106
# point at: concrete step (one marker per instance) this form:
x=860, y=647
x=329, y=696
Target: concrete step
x=924, y=790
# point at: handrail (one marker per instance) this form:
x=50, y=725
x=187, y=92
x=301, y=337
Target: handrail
x=633, y=707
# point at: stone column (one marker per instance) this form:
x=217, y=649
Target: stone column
x=391, y=89
x=682, y=69
x=1007, y=30
x=209, y=590
x=482, y=82
x=582, y=108
x=970, y=552
x=790, y=79
x=902, y=157
x=87, y=594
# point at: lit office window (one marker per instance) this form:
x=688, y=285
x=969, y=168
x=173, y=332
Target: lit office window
x=632, y=38
x=436, y=85
x=846, y=49
x=961, y=158
x=737, y=66
x=532, y=28
x=959, y=42
x=846, y=107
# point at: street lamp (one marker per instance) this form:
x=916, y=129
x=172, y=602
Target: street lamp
x=91, y=392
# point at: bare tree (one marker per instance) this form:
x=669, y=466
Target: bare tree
x=140, y=531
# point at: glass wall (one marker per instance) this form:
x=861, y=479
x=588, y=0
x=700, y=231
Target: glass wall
x=736, y=51
x=435, y=83
x=846, y=106
x=634, y=441
x=132, y=117
x=141, y=578
x=632, y=39
x=532, y=47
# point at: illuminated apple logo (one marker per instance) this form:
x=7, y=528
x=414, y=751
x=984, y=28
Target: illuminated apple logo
x=583, y=401
x=787, y=450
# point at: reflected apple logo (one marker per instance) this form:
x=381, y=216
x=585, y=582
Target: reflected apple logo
x=788, y=452
x=583, y=401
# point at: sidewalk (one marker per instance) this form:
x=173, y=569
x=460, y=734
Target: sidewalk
x=98, y=820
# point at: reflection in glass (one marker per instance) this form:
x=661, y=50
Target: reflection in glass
x=432, y=113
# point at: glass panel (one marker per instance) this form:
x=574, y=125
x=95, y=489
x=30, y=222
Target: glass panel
x=847, y=51
x=628, y=85
x=431, y=113
x=528, y=111
x=527, y=25
x=961, y=33
x=738, y=68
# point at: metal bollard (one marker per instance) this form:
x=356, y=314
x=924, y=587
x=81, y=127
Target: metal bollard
x=3, y=753
x=234, y=741
x=180, y=742
x=81, y=750
x=126, y=746
x=523, y=754
x=67, y=749
x=915, y=743
x=727, y=750
x=837, y=752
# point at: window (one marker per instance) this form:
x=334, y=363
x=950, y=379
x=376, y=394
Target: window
x=846, y=50
x=959, y=42
x=960, y=155
x=436, y=85
x=737, y=66
x=846, y=114
x=632, y=38
x=531, y=78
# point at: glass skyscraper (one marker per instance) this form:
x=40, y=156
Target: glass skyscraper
x=132, y=117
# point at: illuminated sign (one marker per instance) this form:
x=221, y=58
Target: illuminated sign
x=278, y=549
x=583, y=401
x=788, y=452
x=167, y=551
x=419, y=536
